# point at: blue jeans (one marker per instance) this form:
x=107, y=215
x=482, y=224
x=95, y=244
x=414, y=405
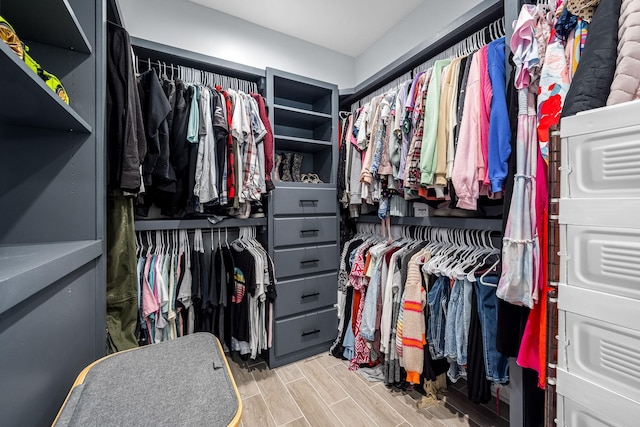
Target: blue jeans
x=456, y=336
x=368, y=323
x=437, y=298
x=496, y=364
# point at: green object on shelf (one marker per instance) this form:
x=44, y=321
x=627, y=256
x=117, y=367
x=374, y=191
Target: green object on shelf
x=10, y=37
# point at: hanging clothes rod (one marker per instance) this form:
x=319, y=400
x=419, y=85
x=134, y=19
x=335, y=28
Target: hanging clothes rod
x=393, y=85
x=466, y=46
x=194, y=75
x=471, y=43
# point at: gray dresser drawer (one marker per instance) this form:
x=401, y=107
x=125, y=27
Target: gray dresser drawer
x=309, y=230
x=305, y=261
x=304, y=201
x=306, y=294
x=304, y=331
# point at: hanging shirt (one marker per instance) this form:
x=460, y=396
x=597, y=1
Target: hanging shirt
x=499, y=126
x=428, y=154
x=207, y=165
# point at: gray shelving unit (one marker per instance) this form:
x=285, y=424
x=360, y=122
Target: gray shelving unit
x=303, y=222
x=52, y=267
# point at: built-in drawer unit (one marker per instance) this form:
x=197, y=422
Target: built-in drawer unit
x=304, y=231
x=304, y=201
x=305, y=294
x=305, y=261
x=300, y=332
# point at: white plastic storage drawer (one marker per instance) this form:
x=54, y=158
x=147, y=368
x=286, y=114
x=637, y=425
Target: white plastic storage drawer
x=601, y=353
x=298, y=333
x=304, y=201
x=305, y=261
x=604, y=259
x=602, y=165
x=306, y=294
x=572, y=414
x=309, y=230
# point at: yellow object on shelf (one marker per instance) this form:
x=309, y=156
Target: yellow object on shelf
x=10, y=37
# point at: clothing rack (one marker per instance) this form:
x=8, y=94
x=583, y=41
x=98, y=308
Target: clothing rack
x=393, y=85
x=475, y=41
x=190, y=224
x=469, y=44
x=196, y=76
x=424, y=231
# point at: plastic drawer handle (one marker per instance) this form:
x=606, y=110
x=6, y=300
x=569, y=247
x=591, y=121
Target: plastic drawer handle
x=306, y=334
x=315, y=294
x=311, y=202
x=309, y=231
x=311, y=261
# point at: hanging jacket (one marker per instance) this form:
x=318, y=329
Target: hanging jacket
x=626, y=80
x=592, y=82
x=126, y=143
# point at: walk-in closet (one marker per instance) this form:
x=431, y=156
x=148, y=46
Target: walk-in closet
x=319, y=213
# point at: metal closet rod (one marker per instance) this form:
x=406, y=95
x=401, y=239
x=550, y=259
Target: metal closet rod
x=194, y=75
x=466, y=46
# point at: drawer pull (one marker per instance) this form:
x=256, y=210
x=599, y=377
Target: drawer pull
x=311, y=261
x=308, y=202
x=306, y=334
x=309, y=232
x=315, y=294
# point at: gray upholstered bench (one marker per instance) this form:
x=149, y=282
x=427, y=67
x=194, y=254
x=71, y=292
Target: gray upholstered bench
x=184, y=382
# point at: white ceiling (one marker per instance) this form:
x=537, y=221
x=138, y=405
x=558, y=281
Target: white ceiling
x=345, y=26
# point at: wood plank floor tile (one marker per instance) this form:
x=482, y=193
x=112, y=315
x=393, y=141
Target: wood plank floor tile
x=373, y=404
x=325, y=386
x=244, y=380
x=314, y=409
x=404, y=424
x=282, y=406
x=289, y=373
x=328, y=361
x=408, y=411
x=477, y=413
x=299, y=422
x=449, y=416
x=255, y=413
x=351, y=414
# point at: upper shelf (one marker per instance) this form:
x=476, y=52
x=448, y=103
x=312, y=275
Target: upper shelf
x=28, y=269
x=50, y=22
x=29, y=101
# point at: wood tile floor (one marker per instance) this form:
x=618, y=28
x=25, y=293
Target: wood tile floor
x=320, y=391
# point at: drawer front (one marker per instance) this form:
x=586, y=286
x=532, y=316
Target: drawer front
x=604, y=259
x=602, y=354
x=305, y=261
x=306, y=294
x=602, y=165
x=311, y=230
x=305, y=331
x=304, y=201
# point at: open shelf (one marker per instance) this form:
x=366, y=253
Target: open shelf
x=292, y=143
x=50, y=22
x=297, y=123
x=192, y=224
x=29, y=101
x=438, y=221
x=302, y=95
x=30, y=268
x=303, y=117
